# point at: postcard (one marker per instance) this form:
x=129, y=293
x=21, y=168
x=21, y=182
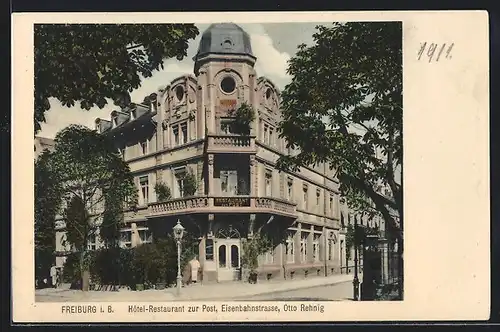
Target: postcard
x=229, y=167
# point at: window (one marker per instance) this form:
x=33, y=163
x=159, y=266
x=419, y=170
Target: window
x=228, y=85
x=145, y=235
x=180, y=133
x=179, y=93
x=91, y=242
x=180, y=184
x=269, y=255
x=126, y=236
x=305, y=197
x=229, y=182
x=222, y=256
x=331, y=248
x=268, y=93
x=271, y=137
x=144, y=182
x=318, y=197
x=266, y=133
x=269, y=184
x=175, y=131
x=235, y=256
x=289, y=248
x=144, y=147
x=184, y=131
x=226, y=126
x=331, y=205
x=290, y=189
x=303, y=247
x=209, y=250
x=316, y=247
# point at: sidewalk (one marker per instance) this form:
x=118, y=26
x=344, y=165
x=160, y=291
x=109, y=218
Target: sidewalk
x=234, y=290
x=217, y=291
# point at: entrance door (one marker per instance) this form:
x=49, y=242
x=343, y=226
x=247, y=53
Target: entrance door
x=228, y=259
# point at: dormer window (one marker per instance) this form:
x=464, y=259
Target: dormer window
x=227, y=44
x=268, y=93
x=179, y=93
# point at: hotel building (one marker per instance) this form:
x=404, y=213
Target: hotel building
x=239, y=191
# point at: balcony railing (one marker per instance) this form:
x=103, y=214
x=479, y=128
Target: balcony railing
x=178, y=204
x=231, y=143
x=222, y=204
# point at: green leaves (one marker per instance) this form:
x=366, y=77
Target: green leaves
x=48, y=195
x=243, y=118
x=343, y=107
x=190, y=184
x=95, y=181
x=253, y=248
x=163, y=192
x=88, y=63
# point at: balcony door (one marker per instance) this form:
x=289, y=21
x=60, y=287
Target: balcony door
x=228, y=255
x=229, y=182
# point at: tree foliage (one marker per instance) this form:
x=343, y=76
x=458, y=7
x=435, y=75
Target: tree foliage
x=190, y=184
x=163, y=192
x=48, y=196
x=94, y=62
x=95, y=182
x=253, y=248
x=343, y=107
x=243, y=118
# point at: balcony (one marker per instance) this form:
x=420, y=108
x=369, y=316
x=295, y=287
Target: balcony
x=222, y=204
x=231, y=144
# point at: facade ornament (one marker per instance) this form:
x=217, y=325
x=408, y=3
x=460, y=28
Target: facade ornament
x=164, y=124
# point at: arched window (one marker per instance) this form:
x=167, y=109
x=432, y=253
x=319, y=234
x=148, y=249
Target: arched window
x=222, y=256
x=235, y=256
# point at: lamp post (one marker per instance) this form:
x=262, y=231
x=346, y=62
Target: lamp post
x=355, y=281
x=178, y=233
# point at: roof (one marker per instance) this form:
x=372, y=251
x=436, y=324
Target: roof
x=224, y=38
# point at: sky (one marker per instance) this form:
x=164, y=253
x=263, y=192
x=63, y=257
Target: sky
x=273, y=44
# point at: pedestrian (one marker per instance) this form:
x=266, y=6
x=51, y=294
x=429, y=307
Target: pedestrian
x=53, y=276
x=195, y=267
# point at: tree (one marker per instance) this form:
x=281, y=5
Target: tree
x=94, y=62
x=163, y=192
x=343, y=107
x=96, y=184
x=47, y=204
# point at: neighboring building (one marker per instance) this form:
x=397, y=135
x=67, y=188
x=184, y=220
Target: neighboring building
x=239, y=188
x=42, y=144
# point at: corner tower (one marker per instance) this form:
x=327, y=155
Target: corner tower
x=224, y=66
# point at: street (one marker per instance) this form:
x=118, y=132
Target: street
x=338, y=292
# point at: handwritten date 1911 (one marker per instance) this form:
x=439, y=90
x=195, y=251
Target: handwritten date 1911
x=435, y=51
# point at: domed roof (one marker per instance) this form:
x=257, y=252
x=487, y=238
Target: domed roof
x=224, y=38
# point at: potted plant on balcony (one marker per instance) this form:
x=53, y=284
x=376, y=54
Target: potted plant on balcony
x=243, y=118
x=163, y=192
x=190, y=184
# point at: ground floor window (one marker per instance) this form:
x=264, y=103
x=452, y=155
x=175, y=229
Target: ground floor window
x=209, y=250
x=316, y=247
x=289, y=248
x=303, y=247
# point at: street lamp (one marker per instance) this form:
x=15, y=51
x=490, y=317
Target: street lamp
x=178, y=233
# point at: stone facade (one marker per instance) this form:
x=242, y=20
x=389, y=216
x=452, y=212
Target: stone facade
x=240, y=191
